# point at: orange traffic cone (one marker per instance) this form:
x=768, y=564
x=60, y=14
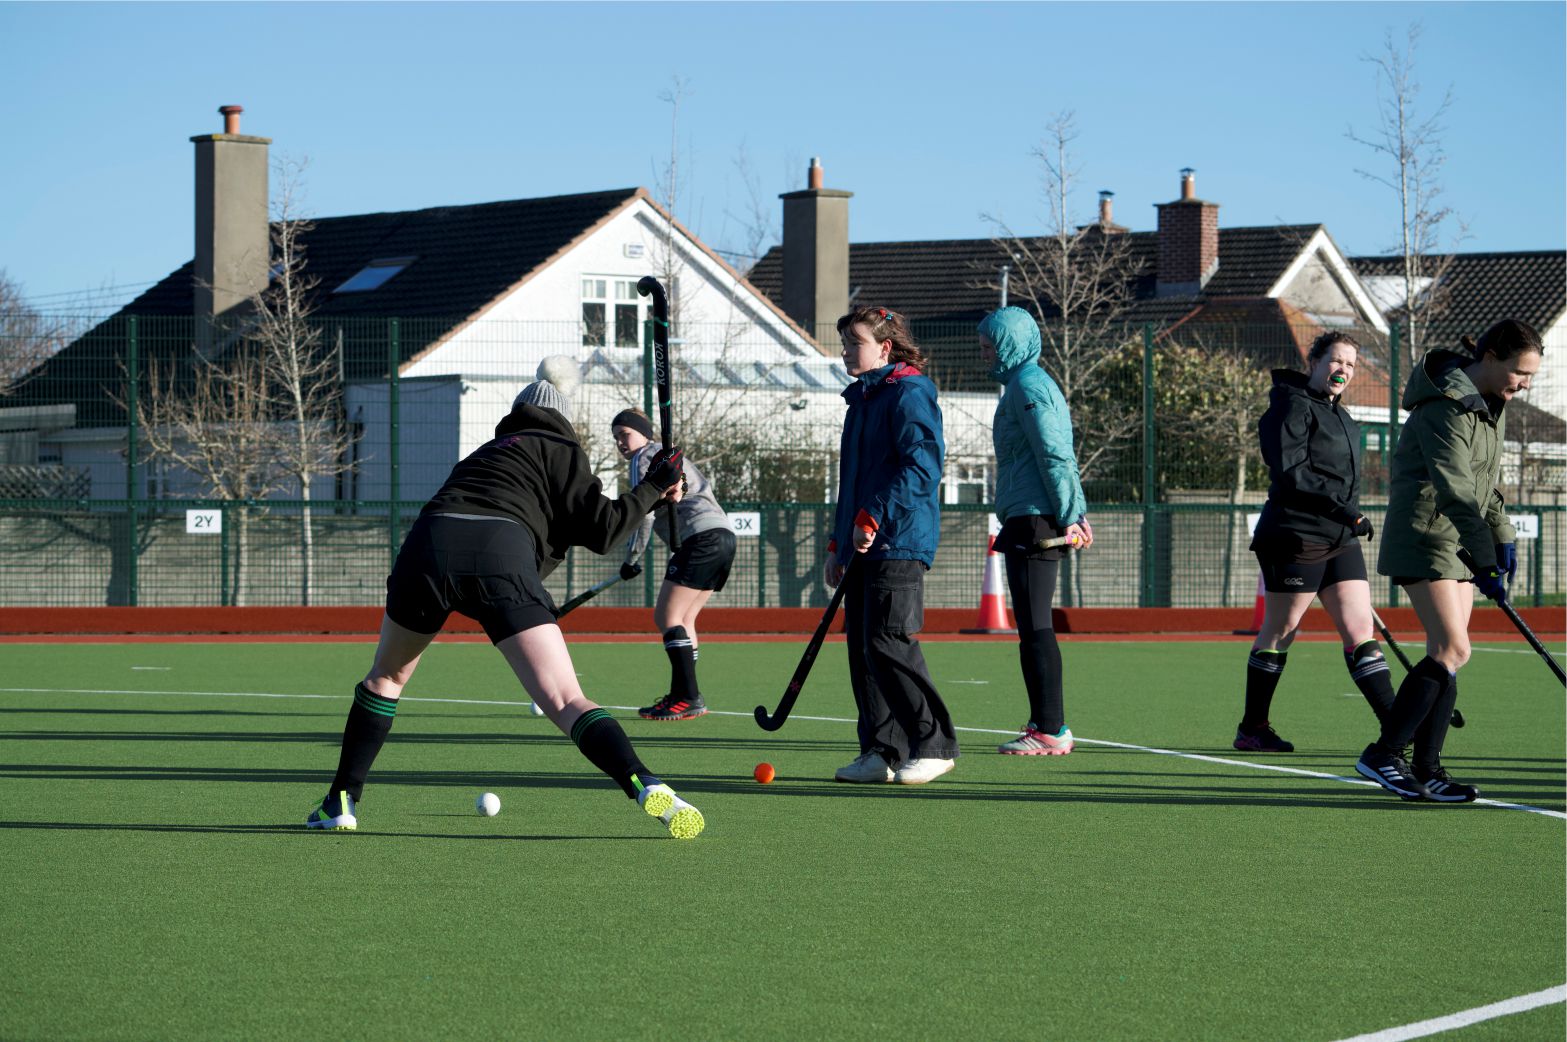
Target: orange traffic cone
x=992, y=601
x=1256, y=613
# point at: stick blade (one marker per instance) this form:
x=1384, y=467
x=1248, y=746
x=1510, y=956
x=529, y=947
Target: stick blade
x=765, y=722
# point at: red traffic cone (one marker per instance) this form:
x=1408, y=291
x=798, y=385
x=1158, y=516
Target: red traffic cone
x=1256, y=612
x=992, y=601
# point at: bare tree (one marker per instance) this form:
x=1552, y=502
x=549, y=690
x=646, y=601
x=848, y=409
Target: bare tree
x=1077, y=279
x=301, y=375
x=213, y=420
x=1408, y=141
x=1210, y=397
x=28, y=338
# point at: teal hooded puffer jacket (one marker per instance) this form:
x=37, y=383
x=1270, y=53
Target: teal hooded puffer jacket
x=1036, y=467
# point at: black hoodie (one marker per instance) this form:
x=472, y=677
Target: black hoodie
x=1312, y=449
x=533, y=471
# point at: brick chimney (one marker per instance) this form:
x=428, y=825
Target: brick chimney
x=1188, y=241
x=816, y=254
x=232, y=241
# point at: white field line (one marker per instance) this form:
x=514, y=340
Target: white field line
x=1548, y=997
x=1222, y=760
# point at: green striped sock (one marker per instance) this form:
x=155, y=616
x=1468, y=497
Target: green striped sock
x=604, y=743
x=369, y=722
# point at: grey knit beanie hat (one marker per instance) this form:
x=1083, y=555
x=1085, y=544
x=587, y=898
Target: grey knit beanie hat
x=557, y=377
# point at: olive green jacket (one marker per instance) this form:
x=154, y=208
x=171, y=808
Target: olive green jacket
x=1443, y=493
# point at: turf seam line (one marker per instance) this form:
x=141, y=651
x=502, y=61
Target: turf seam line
x=1464, y=1018
x=1225, y=761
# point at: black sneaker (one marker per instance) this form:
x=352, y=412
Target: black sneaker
x=671, y=708
x=1262, y=739
x=1389, y=771
x=1444, y=789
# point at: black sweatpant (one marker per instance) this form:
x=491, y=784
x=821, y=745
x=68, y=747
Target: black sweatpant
x=900, y=714
x=1032, y=583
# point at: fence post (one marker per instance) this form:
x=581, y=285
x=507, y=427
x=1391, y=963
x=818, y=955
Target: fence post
x=393, y=409
x=132, y=450
x=223, y=557
x=1391, y=441
x=1150, y=473
x=761, y=559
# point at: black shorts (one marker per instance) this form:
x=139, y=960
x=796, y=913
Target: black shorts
x=1286, y=575
x=703, y=560
x=479, y=567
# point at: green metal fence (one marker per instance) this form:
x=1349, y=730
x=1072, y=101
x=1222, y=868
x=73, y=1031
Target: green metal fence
x=122, y=552
x=93, y=508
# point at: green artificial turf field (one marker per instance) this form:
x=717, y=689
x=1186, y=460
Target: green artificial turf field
x=158, y=883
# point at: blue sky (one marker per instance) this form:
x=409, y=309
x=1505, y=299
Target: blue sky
x=927, y=112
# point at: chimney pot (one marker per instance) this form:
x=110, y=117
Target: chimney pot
x=1188, y=183
x=231, y=117
x=1105, y=199
x=813, y=177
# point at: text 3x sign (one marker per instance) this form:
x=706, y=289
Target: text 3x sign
x=746, y=524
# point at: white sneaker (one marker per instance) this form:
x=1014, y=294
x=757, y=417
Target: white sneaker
x=922, y=770
x=867, y=767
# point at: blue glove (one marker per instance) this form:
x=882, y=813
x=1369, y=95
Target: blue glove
x=1507, y=559
x=1490, y=583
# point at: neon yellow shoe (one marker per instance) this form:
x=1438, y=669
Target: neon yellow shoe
x=683, y=820
x=335, y=813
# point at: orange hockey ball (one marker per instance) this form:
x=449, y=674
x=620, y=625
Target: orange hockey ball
x=763, y=773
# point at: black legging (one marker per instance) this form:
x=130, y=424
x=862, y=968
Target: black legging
x=1032, y=583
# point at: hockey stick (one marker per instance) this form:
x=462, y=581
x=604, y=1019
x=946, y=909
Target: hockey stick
x=1458, y=717
x=807, y=660
x=585, y=596
x=662, y=375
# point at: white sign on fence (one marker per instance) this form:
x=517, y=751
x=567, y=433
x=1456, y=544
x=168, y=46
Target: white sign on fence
x=1527, y=525
x=203, y=522
x=746, y=524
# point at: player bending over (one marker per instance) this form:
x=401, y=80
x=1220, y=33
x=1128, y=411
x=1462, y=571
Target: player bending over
x=481, y=547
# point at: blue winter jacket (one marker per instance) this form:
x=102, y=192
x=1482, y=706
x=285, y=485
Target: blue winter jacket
x=890, y=465
x=1036, y=467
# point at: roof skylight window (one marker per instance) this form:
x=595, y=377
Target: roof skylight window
x=375, y=274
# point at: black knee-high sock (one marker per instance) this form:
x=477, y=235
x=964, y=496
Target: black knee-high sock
x=1420, y=690
x=369, y=721
x=682, y=663
x=1044, y=687
x=1263, y=670
x=1430, y=735
x=1368, y=669
x=606, y=746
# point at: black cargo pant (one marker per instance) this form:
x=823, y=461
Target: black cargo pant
x=901, y=715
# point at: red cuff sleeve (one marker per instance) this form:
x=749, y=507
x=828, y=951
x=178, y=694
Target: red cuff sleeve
x=865, y=522
x=832, y=546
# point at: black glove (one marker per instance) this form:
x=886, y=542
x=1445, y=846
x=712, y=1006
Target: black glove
x=630, y=570
x=1362, y=527
x=665, y=469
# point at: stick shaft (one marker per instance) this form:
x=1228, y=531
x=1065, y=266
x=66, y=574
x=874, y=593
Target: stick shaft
x=663, y=378
x=586, y=595
x=1534, y=642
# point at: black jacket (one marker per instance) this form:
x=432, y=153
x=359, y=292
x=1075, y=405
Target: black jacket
x=533, y=471
x=1312, y=449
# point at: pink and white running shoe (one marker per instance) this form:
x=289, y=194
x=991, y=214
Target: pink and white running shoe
x=1034, y=742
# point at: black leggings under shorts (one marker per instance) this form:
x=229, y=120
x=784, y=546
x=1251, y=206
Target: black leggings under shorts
x=481, y=567
x=1282, y=575
x=703, y=560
